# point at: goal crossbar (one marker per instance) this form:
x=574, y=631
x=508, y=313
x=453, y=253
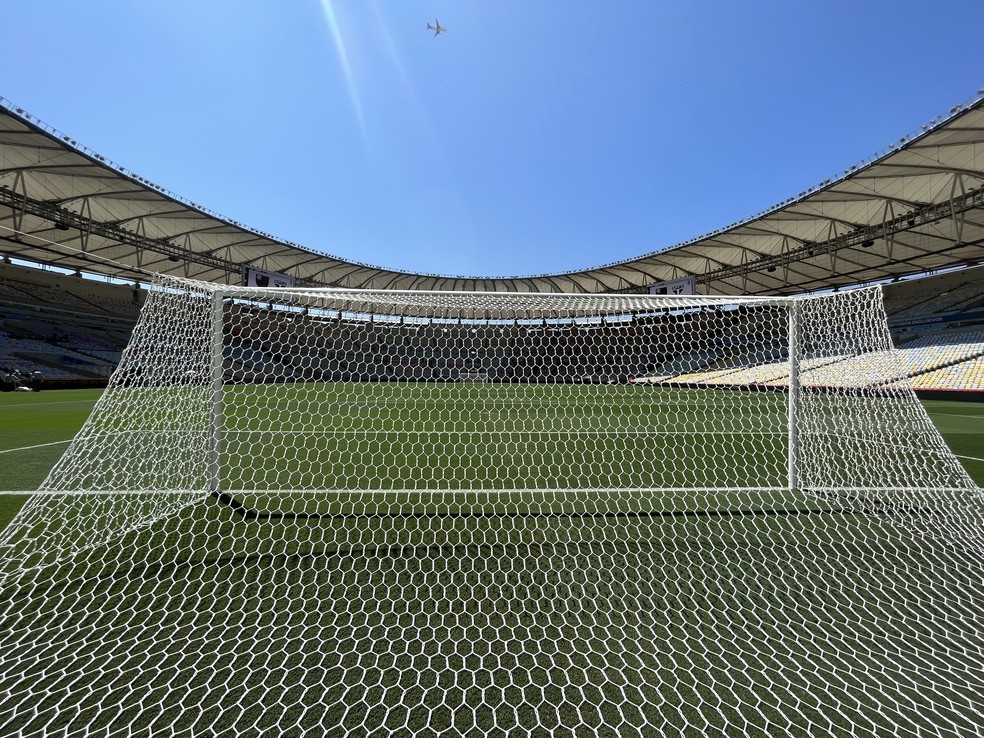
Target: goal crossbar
x=374, y=513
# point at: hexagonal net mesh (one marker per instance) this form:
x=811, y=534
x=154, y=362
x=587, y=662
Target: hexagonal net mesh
x=335, y=512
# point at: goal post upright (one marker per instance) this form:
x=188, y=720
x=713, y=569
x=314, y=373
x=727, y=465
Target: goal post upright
x=711, y=479
x=215, y=399
x=793, y=399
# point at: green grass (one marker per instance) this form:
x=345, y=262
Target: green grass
x=34, y=429
x=962, y=426
x=440, y=623
x=34, y=432
x=391, y=436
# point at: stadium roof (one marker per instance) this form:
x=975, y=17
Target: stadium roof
x=917, y=206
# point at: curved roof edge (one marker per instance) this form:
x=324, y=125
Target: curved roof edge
x=64, y=204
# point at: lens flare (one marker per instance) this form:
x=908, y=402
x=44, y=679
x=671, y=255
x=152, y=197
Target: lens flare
x=343, y=60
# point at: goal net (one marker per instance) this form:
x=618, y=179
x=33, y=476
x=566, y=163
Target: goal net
x=357, y=512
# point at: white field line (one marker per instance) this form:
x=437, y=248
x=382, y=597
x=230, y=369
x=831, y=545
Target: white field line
x=433, y=432
x=893, y=445
x=959, y=415
x=522, y=432
x=500, y=402
x=484, y=492
x=45, y=404
x=28, y=448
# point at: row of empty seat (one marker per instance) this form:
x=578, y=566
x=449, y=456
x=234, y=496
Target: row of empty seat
x=11, y=358
x=45, y=295
x=65, y=331
x=955, y=291
x=967, y=375
x=960, y=354
x=68, y=328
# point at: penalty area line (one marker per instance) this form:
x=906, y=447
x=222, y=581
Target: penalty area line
x=41, y=404
x=28, y=448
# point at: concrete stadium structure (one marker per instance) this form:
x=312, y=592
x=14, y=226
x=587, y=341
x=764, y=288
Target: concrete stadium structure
x=915, y=207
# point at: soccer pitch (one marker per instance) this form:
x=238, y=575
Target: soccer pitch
x=36, y=429
x=489, y=611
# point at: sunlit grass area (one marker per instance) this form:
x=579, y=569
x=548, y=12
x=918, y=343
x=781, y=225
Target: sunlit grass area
x=448, y=600
x=35, y=429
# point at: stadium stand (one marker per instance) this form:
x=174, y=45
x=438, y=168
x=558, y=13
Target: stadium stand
x=967, y=375
x=70, y=329
x=939, y=321
x=937, y=325
x=74, y=330
x=910, y=361
x=935, y=295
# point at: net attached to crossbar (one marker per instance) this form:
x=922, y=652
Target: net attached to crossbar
x=336, y=512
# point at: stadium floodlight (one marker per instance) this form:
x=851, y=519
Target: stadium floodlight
x=357, y=512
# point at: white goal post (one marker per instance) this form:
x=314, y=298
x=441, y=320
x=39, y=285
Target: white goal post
x=473, y=376
x=366, y=512
x=839, y=342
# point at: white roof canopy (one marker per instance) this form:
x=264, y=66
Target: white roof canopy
x=916, y=207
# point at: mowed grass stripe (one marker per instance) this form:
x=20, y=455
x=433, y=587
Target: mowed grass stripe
x=556, y=440
x=47, y=417
x=499, y=624
x=474, y=626
x=36, y=420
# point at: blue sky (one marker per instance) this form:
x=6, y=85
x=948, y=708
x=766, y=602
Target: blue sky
x=532, y=137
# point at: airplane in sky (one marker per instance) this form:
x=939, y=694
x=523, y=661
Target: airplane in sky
x=437, y=28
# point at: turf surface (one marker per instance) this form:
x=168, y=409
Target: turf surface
x=421, y=613
x=35, y=429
